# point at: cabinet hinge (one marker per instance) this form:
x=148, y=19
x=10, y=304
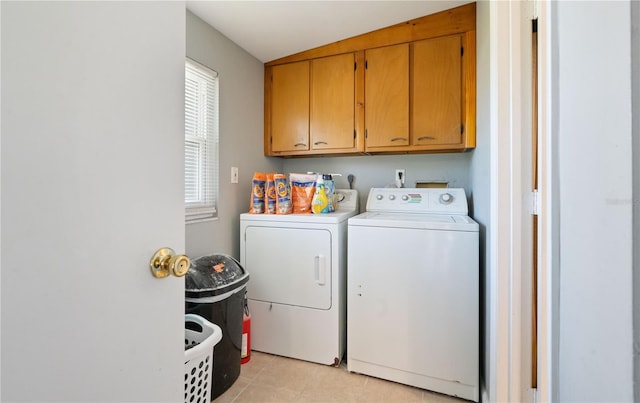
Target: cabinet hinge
x=366, y=133
x=366, y=64
x=461, y=129
x=462, y=51
x=354, y=134
x=355, y=66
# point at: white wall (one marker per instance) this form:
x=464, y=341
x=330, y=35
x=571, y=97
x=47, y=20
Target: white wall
x=592, y=126
x=241, y=135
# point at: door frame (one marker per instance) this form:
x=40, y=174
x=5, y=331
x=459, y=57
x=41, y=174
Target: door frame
x=510, y=375
x=547, y=221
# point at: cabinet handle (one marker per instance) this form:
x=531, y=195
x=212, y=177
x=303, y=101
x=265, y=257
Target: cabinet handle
x=299, y=145
x=426, y=138
x=319, y=142
x=399, y=138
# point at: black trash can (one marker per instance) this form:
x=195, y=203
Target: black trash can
x=215, y=286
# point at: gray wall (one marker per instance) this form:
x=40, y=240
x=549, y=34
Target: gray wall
x=241, y=135
x=594, y=172
x=379, y=171
x=480, y=182
x=635, y=79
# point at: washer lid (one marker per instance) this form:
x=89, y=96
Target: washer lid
x=452, y=222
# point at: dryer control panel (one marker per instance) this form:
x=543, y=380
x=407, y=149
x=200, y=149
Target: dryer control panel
x=418, y=200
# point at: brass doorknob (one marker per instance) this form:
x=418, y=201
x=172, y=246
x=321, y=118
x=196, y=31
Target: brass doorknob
x=165, y=262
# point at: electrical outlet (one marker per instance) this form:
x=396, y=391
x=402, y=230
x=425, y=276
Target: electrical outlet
x=400, y=176
x=234, y=174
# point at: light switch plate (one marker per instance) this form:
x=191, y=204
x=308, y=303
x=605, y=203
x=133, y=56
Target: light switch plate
x=234, y=174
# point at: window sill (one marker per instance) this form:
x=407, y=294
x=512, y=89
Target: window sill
x=200, y=220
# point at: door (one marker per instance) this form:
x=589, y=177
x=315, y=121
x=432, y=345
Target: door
x=510, y=348
x=92, y=184
x=290, y=266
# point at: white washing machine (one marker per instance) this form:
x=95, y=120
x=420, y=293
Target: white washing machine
x=297, y=292
x=413, y=290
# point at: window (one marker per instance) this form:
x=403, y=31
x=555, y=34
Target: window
x=200, y=142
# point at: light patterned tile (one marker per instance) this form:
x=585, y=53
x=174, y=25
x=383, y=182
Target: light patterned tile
x=256, y=364
x=378, y=390
x=265, y=394
x=286, y=373
x=332, y=384
x=433, y=397
x=327, y=396
x=234, y=391
x=269, y=378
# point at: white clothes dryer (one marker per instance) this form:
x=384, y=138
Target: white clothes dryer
x=413, y=290
x=297, y=292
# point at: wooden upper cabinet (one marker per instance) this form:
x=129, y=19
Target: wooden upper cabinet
x=290, y=107
x=407, y=88
x=423, y=100
x=310, y=107
x=387, y=96
x=332, y=124
x=436, y=92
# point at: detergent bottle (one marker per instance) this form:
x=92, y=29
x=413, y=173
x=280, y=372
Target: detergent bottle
x=329, y=188
x=320, y=202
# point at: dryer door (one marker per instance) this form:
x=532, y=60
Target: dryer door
x=289, y=266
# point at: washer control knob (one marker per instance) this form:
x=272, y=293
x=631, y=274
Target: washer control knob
x=405, y=197
x=379, y=197
x=446, y=198
x=392, y=197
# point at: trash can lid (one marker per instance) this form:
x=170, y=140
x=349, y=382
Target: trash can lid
x=214, y=275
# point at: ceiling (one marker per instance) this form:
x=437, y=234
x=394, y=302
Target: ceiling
x=270, y=30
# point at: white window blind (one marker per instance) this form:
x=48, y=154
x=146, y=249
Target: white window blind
x=200, y=142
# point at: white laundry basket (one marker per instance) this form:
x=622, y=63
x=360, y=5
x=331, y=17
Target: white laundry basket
x=200, y=337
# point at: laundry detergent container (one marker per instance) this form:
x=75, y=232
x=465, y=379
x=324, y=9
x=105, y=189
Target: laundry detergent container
x=215, y=287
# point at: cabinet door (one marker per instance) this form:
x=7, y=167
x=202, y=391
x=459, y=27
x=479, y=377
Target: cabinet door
x=333, y=102
x=387, y=96
x=290, y=107
x=436, y=107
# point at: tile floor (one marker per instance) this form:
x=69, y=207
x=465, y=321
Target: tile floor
x=270, y=378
